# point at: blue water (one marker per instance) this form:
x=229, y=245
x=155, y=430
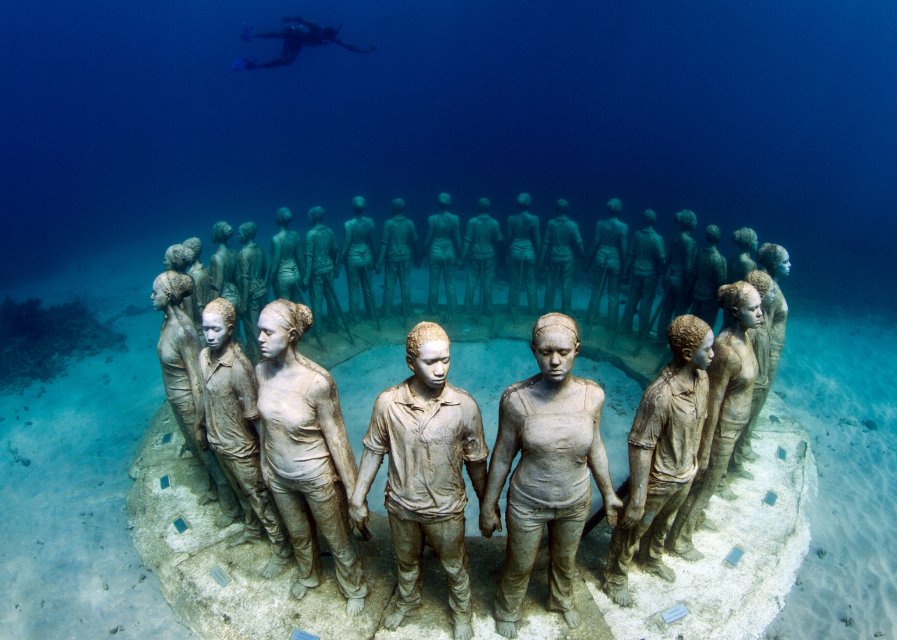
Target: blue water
x=123, y=124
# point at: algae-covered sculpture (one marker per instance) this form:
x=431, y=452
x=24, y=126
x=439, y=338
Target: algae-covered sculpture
x=357, y=254
x=231, y=397
x=443, y=246
x=202, y=294
x=287, y=259
x=607, y=256
x=180, y=257
x=480, y=242
x=223, y=265
x=645, y=262
x=525, y=246
x=710, y=274
x=742, y=263
x=663, y=457
x=430, y=429
x=552, y=420
x=178, y=351
x=320, y=266
x=251, y=282
x=397, y=257
x=732, y=376
x=774, y=259
x=682, y=251
x=563, y=244
x=306, y=458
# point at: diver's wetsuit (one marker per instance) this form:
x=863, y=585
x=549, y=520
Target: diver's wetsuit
x=295, y=36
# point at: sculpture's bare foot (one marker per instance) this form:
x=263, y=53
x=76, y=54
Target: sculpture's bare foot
x=208, y=497
x=619, y=594
x=659, y=569
x=354, y=606
x=741, y=473
x=463, y=631
x=274, y=566
x=707, y=524
x=687, y=553
x=243, y=537
x=225, y=520
x=506, y=629
x=298, y=590
x=393, y=620
x=725, y=492
x=571, y=617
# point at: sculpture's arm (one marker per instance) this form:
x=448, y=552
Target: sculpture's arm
x=358, y=508
x=506, y=447
x=720, y=373
x=188, y=346
x=344, y=250
x=326, y=399
x=599, y=466
x=639, y=467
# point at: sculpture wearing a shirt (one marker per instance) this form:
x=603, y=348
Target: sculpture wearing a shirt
x=732, y=376
x=430, y=429
x=644, y=264
x=306, y=458
x=482, y=237
x=563, y=244
x=357, y=254
x=231, y=397
x=607, y=255
x=223, y=265
x=774, y=259
x=710, y=273
x=663, y=456
x=742, y=263
x=201, y=295
x=443, y=246
x=525, y=245
x=682, y=251
x=321, y=267
x=287, y=259
x=552, y=420
x=397, y=256
x=178, y=351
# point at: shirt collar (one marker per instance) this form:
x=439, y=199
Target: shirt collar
x=226, y=359
x=680, y=387
x=449, y=396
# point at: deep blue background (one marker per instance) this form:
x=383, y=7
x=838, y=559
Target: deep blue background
x=122, y=121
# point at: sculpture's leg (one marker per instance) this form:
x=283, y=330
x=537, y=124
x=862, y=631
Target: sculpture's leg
x=564, y=534
x=389, y=283
x=521, y=550
x=488, y=267
x=447, y=539
x=296, y=515
x=407, y=542
x=449, y=275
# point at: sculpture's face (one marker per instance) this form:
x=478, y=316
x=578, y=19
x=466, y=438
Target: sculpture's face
x=783, y=268
x=159, y=298
x=431, y=365
x=274, y=337
x=750, y=314
x=703, y=355
x=217, y=333
x=555, y=349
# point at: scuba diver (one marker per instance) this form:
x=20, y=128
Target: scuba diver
x=295, y=36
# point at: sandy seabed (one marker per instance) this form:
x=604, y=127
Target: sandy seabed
x=69, y=570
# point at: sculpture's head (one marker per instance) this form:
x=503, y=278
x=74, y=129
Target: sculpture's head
x=555, y=344
x=740, y=303
x=686, y=219
x=195, y=245
x=222, y=232
x=712, y=233
x=218, y=319
x=358, y=204
x=444, y=200
x=745, y=238
x=170, y=288
x=562, y=207
x=398, y=206
x=428, y=354
x=762, y=282
x=775, y=259
x=316, y=214
x=281, y=325
x=524, y=200
x=483, y=205
x=247, y=231
x=649, y=218
x=283, y=217
x=691, y=341
x=178, y=257
x=614, y=207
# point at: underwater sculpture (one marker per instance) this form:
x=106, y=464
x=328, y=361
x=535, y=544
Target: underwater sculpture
x=201, y=295
x=742, y=263
x=525, y=245
x=179, y=257
x=680, y=273
x=710, y=273
x=607, y=256
x=230, y=403
x=480, y=241
x=430, y=429
x=252, y=283
x=397, y=256
x=774, y=259
x=178, y=351
x=306, y=459
x=563, y=244
x=760, y=341
x=663, y=456
x=732, y=376
x=552, y=420
x=287, y=259
x=223, y=265
x=644, y=264
x=357, y=254
x=320, y=267
x=443, y=246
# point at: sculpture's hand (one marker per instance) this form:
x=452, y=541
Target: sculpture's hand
x=613, y=505
x=490, y=522
x=359, y=516
x=632, y=515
